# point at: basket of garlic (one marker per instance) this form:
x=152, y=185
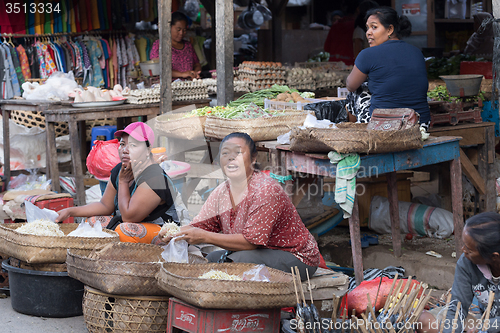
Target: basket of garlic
x=221, y=286
x=46, y=242
x=120, y=268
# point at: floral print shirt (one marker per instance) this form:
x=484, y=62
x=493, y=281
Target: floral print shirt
x=265, y=217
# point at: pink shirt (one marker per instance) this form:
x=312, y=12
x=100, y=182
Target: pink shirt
x=265, y=217
x=182, y=60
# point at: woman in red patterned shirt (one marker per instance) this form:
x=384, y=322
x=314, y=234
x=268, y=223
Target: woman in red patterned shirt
x=251, y=216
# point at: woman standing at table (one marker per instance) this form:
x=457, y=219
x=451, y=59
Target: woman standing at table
x=185, y=63
x=251, y=216
x=396, y=73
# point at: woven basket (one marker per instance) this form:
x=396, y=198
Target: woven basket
x=46, y=249
x=110, y=313
x=180, y=127
x=36, y=119
x=354, y=138
x=259, y=129
x=120, y=268
x=181, y=281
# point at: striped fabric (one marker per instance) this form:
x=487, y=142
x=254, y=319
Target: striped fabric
x=373, y=273
x=345, y=179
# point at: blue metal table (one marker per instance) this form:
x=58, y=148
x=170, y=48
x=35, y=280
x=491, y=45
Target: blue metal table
x=436, y=150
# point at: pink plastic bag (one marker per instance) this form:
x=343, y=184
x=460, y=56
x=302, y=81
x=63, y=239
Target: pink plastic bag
x=103, y=158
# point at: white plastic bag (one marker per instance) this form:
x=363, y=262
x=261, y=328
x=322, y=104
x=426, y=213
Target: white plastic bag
x=176, y=251
x=312, y=121
x=27, y=146
x=258, y=273
x=56, y=88
x=34, y=213
x=85, y=230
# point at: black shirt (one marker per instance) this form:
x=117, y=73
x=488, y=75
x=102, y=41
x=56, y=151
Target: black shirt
x=157, y=180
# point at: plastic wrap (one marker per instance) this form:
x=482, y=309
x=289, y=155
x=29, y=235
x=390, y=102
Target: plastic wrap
x=331, y=110
x=176, y=251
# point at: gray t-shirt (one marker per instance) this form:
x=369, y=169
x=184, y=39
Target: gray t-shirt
x=469, y=282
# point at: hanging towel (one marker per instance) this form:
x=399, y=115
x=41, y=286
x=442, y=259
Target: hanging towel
x=345, y=179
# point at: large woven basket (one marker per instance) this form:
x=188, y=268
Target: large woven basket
x=181, y=281
x=120, y=268
x=259, y=129
x=37, y=119
x=354, y=138
x=47, y=249
x=112, y=313
x=178, y=126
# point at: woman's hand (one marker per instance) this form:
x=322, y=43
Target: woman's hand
x=64, y=214
x=126, y=173
x=191, y=75
x=190, y=234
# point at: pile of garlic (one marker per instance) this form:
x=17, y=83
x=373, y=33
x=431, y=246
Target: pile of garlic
x=93, y=94
x=40, y=228
x=189, y=90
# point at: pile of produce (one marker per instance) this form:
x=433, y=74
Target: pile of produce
x=41, y=228
x=189, y=90
x=261, y=74
x=301, y=78
x=320, y=57
x=294, y=97
x=171, y=228
x=440, y=93
x=251, y=105
x=258, y=97
x=447, y=66
x=243, y=111
x=219, y=275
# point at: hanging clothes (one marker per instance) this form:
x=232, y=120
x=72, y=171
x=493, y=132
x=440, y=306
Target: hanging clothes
x=23, y=59
x=6, y=83
x=17, y=66
x=13, y=76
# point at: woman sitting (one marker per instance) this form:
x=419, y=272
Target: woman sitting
x=137, y=194
x=251, y=216
x=396, y=73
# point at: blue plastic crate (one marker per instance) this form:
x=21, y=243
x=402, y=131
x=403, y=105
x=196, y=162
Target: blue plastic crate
x=103, y=133
x=490, y=114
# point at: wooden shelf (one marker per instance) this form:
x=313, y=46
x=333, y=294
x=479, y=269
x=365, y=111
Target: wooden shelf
x=454, y=21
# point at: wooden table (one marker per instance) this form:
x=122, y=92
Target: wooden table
x=435, y=151
x=72, y=116
x=481, y=136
